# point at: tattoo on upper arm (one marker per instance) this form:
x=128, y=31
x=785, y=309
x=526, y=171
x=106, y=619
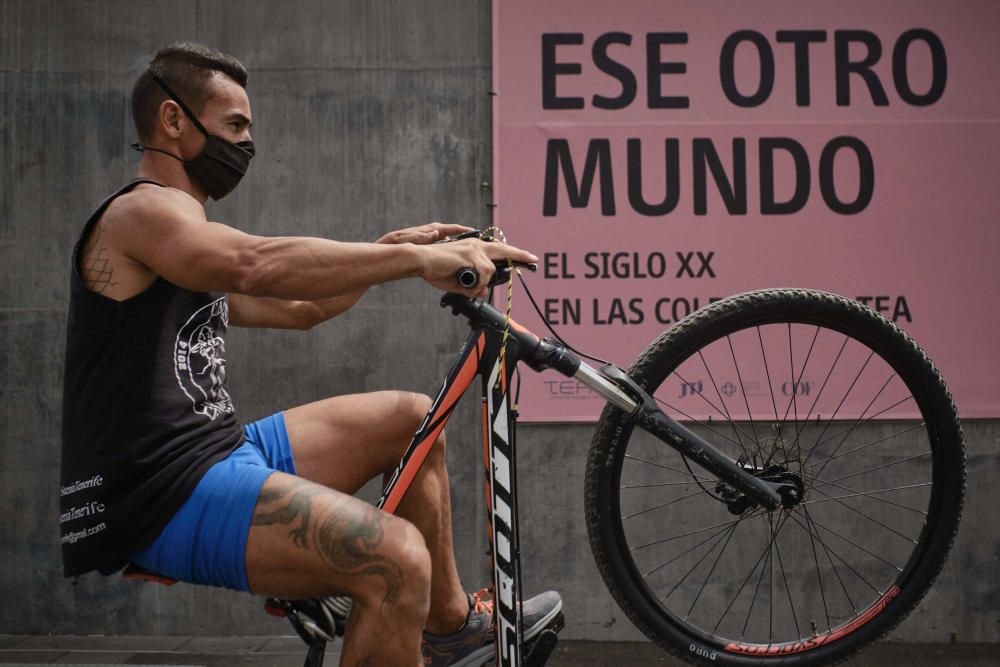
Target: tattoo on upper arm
x=347, y=537
x=95, y=266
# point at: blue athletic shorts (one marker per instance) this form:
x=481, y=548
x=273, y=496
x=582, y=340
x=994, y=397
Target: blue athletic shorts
x=206, y=541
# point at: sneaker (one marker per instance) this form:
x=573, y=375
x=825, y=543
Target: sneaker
x=472, y=645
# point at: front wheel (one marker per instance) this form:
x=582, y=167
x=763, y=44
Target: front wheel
x=798, y=386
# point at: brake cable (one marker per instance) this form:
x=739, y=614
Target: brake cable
x=495, y=234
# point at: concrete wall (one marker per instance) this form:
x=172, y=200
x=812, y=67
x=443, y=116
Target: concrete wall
x=369, y=115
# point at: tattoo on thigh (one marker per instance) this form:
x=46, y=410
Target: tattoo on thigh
x=348, y=540
x=291, y=500
x=350, y=543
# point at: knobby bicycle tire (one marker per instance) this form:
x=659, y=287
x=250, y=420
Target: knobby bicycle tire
x=866, y=530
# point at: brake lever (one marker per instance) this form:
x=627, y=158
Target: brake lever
x=469, y=278
x=502, y=273
x=464, y=235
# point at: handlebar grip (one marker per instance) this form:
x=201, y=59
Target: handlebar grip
x=467, y=278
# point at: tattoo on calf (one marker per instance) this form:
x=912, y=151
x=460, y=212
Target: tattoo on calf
x=346, y=540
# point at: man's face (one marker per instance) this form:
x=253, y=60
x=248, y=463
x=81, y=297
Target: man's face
x=226, y=114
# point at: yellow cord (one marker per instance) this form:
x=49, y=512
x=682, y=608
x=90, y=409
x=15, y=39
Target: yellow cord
x=495, y=234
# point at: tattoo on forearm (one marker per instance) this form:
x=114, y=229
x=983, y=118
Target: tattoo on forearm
x=346, y=539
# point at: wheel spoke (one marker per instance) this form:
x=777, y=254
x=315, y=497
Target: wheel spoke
x=822, y=482
x=870, y=518
x=833, y=565
x=831, y=550
x=698, y=562
x=762, y=556
x=855, y=424
x=746, y=401
x=871, y=494
x=858, y=449
x=669, y=502
x=770, y=582
x=788, y=589
x=856, y=545
x=867, y=419
x=684, y=553
x=844, y=399
x=677, y=537
x=797, y=381
x=697, y=421
x=765, y=556
x=722, y=402
x=665, y=467
x=819, y=576
x=770, y=384
x=713, y=406
x=646, y=486
x=712, y=570
x=796, y=384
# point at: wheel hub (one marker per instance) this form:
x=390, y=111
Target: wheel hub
x=790, y=488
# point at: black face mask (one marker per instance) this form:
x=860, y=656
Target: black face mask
x=221, y=164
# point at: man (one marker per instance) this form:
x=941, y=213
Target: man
x=157, y=471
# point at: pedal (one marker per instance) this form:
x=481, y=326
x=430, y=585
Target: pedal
x=542, y=649
x=539, y=649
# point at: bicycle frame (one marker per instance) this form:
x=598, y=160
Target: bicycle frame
x=481, y=355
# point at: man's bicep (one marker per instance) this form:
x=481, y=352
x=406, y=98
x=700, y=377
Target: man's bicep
x=188, y=252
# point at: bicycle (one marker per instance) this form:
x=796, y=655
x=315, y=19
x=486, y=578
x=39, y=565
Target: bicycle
x=766, y=477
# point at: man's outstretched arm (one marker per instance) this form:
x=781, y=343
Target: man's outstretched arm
x=266, y=312
x=167, y=232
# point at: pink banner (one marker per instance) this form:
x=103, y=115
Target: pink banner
x=660, y=155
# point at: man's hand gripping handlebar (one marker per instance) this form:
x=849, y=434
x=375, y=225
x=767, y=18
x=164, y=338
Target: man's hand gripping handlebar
x=469, y=277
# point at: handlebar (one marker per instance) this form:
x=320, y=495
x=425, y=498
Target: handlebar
x=468, y=277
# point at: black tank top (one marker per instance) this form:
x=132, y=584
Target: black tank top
x=145, y=412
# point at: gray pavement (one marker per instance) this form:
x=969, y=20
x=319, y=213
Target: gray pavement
x=29, y=651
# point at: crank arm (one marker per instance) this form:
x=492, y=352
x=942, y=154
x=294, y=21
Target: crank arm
x=616, y=386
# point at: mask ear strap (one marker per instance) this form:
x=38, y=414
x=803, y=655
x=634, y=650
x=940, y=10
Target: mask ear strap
x=172, y=95
x=139, y=147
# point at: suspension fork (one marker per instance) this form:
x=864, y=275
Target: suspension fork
x=621, y=391
x=648, y=416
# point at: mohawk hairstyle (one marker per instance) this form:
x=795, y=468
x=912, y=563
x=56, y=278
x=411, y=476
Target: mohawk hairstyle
x=188, y=69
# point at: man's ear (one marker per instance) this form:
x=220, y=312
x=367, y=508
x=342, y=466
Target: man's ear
x=169, y=118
